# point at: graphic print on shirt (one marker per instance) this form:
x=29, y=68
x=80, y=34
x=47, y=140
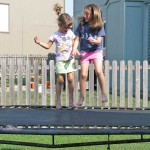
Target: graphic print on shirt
x=64, y=47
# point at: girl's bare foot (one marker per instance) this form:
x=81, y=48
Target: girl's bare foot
x=104, y=98
x=80, y=103
x=58, y=106
x=71, y=105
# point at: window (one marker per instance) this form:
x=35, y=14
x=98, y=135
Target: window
x=4, y=18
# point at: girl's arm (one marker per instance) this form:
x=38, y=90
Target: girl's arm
x=75, y=46
x=77, y=52
x=44, y=45
x=95, y=41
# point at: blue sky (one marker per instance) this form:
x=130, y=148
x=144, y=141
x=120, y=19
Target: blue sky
x=69, y=7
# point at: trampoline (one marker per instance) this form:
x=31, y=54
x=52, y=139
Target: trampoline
x=81, y=121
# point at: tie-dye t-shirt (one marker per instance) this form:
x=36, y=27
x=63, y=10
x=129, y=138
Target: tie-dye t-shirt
x=63, y=44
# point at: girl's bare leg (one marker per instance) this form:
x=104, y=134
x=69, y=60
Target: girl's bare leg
x=101, y=79
x=83, y=77
x=60, y=81
x=70, y=79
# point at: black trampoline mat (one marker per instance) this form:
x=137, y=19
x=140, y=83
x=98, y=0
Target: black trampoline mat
x=76, y=117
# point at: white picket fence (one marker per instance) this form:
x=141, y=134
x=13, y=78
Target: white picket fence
x=127, y=84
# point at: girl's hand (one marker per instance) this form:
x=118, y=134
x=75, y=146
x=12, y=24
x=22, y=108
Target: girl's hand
x=36, y=40
x=73, y=53
x=91, y=39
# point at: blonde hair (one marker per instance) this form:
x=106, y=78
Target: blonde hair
x=64, y=18
x=97, y=20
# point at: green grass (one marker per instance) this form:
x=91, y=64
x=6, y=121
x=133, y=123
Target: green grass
x=74, y=139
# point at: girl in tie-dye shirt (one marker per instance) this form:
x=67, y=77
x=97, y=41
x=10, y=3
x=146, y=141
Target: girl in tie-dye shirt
x=65, y=64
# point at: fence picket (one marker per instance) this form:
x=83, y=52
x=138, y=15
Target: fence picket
x=99, y=95
x=44, y=82
x=19, y=72
x=11, y=81
x=122, y=83
x=137, y=83
x=114, y=84
x=66, y=91
x=130, y=83
x=91, y=85
x=76, y=82
x=107, y=74
x=52, y=82
x=3, y=82
x=145, y=83
x=36, y=75
x=28, y=82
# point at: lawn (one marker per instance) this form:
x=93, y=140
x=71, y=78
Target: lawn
x=74, y=138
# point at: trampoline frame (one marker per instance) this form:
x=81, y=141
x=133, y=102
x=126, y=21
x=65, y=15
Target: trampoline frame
x=39, y=130
x=54, y=132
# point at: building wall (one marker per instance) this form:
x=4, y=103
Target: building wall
x=28, y=18
x=134, y=31
x=115, y=25
x=148, y=28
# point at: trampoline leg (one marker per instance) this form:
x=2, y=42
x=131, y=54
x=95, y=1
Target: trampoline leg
x=53, y=140
x=108, y=148
x=141, y=137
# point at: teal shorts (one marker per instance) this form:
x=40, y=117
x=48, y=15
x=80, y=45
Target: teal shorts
x=65, y=66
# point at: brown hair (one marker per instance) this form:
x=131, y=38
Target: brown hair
x=57, y=8
x=64, y=18
x=97, y=20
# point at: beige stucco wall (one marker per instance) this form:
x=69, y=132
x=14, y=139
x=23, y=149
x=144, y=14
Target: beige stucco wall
x=29, y=18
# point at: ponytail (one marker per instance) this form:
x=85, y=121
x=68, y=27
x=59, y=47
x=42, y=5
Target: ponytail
x=57, y=8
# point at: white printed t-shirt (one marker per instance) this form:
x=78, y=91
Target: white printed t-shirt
x=63, y=44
